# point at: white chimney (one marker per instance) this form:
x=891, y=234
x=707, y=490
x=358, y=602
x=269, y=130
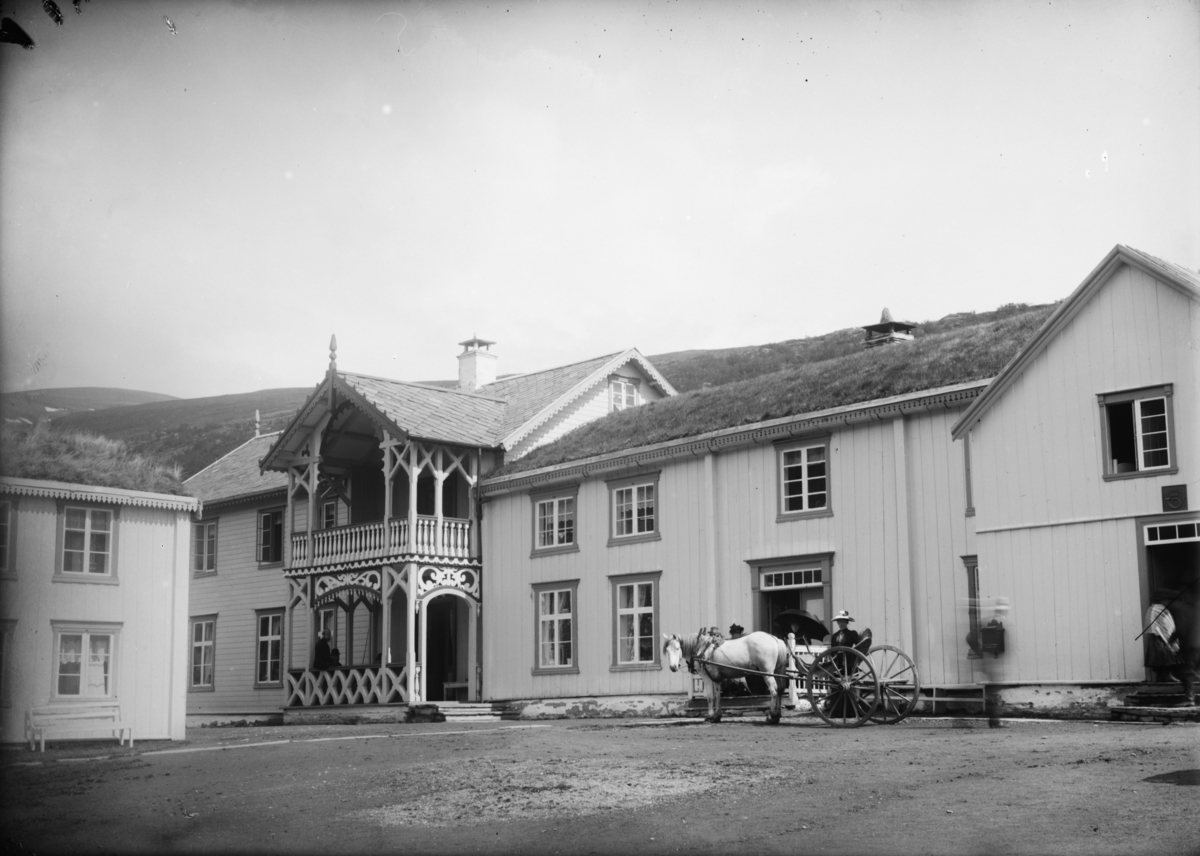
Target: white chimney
x=476, y=364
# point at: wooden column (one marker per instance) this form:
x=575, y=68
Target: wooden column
x=291, y=521
x=414, y=472
x=903, y=540
x=472, y=502
x=423, y=680
x=385, y=624
x=714, y=603
x=439, y=476
x=410, y=648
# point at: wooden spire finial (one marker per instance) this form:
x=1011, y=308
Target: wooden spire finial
x=333, y=349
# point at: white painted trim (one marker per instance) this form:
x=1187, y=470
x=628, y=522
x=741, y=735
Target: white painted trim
x=92, y=493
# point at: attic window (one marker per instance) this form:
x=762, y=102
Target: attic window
x=1138, y=432
x=623, y=392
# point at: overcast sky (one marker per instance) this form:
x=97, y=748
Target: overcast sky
x=195, y=212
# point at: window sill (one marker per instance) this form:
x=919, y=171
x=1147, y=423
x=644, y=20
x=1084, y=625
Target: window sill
x=94, y=579
x=538, y=552
x=267, y=565
x=202, y=689
x=275, y=686
x=616, y=541
x=1141, y=474
x=199, y=575
x=636, y=667
x=785, y=517
x=564, y=670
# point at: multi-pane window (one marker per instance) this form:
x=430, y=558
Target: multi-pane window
x=204, y=547
x=804, y=479
x=624, y=393
x=6, y=515
x=636, y=616
x=556, y=628
x=329, y=515
x=87, y=541
x=270, y=536
x=556, y=521
x=83, y=665
x=634, y=510
x=203, y=638
x=270, y=648
x=1137, y=431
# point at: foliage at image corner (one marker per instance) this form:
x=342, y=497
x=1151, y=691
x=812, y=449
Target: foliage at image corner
x=82, y=458
x=956, y=353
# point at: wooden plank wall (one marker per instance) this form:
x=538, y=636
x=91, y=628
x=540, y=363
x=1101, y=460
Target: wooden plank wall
x=1054, y=537
x=239, y=587
x=868, y=571
x=148, y=602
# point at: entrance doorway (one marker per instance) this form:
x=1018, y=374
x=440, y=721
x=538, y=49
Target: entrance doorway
x=447, y=665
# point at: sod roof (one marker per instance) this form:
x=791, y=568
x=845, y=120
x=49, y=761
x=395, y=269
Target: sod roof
x=83, y=459
x=964, y=352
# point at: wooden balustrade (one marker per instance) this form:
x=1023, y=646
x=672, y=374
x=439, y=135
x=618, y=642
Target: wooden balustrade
x=348, y=685
x=380, y=539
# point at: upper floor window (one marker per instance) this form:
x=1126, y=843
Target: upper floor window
x=1138, y=432
x=803, y=478
x=554, y=522
x=634, y=509
x=329, y=514
x=270, y=536
x=87, y=541
x=204, y=547
x=624, y=393
x=7, y=542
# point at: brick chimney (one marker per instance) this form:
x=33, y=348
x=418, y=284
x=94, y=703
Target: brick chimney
x=476, y=365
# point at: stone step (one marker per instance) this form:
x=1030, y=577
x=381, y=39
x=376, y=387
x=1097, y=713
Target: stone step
x=1131, y=713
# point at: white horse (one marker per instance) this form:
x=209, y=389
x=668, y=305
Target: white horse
x=756, y=652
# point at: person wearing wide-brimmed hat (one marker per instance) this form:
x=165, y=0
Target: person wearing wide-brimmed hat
x=844, y=636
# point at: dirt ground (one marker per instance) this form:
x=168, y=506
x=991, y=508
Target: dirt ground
x=614, y=786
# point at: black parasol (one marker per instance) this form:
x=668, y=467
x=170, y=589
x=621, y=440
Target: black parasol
x=809, y=624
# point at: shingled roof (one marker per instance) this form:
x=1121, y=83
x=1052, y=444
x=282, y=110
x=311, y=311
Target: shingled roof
x=430, y=412
x=528, y=394
x=237, y=474
x=967, y=353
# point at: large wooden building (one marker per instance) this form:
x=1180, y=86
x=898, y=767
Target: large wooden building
x=93, y=604
x=1059, y=487
x=361, y=517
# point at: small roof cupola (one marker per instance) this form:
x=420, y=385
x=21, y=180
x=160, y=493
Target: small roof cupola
x=888, y=331
x=476, y=364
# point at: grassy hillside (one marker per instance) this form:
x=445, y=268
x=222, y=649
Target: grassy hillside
x=32, y=405
x=190, y=433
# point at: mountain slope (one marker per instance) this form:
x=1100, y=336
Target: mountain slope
x=32, y=405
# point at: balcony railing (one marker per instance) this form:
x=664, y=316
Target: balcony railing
x=380, y=539
x=348, y=685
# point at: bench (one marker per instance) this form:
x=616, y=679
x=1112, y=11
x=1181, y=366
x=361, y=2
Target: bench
x=449, y=687
x=87, y=718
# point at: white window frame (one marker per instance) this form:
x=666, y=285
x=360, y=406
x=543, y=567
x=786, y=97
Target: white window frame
x=87, y=632
x=1139, y=398
x=624, y=393
x=812, y=485
x=261, y=638
x=204, y=547
x=550, y=619
x=329, y=514
x=636, y=611
x=555, y=522
x=260, y=542
x=109, y=576
x=206, y=647
x=634, y=509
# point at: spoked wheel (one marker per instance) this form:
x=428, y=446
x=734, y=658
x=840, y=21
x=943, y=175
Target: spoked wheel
x=842, y=687
x=899, y=684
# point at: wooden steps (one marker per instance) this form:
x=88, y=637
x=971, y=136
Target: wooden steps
x=1157, y=702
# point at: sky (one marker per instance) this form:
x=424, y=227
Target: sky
x=194, y=208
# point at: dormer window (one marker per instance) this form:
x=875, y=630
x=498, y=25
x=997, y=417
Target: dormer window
x=624, y=393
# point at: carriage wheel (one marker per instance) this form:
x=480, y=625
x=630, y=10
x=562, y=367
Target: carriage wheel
x=899, y=684
x=842, y=687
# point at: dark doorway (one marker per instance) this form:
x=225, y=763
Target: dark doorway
x=441, y=646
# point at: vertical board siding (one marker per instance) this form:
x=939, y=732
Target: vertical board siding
x=861, y=533
x=233, y=594
x=145, y=602
x=1055, y=537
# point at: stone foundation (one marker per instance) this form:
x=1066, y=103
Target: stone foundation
x=1060, y=701
x=601, y=707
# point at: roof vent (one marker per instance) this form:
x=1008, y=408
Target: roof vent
x=888, y=331
x=476, y=364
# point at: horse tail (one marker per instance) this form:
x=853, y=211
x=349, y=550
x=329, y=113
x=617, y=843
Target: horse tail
x=783, y=659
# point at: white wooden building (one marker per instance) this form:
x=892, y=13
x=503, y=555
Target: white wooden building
x=387, y=556
x=1065, y=494
x=93, y=603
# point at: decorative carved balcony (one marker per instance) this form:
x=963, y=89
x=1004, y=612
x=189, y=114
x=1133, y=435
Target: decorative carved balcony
x=381, y=539
x=347, y=685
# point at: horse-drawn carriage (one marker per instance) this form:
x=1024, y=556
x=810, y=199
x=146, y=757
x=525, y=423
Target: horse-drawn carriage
x=845, y=685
